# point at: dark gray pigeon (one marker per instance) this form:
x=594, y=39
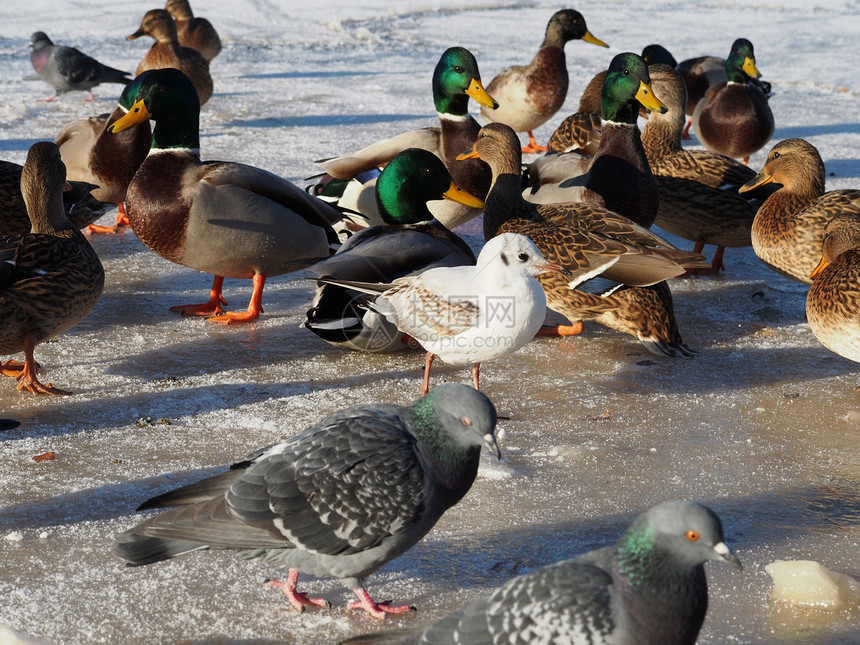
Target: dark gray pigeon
x=648, y=589
x=66, y=68
x=339, y=499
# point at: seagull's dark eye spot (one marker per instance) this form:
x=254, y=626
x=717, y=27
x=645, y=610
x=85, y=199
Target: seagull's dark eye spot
x=692, y=535
x=523, y=257
x=466, y=421
x=504, y=259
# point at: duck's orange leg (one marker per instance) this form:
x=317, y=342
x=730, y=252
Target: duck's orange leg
x=255, y=307
x=211, y=308
x=561, y=330
x=716, y=264
x=27, y=380
x=686, y=133
x=121, y=215
x=533, y=145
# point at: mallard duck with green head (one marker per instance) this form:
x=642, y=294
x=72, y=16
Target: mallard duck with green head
x=410, y=242
x=92, y=154
x=618, y=176
x=833, y=301
x=586, y=239
x=788, y=229
x=733, y=117
x=456, y=79
x=50, y=278
x=220, y=217
x=529, y=95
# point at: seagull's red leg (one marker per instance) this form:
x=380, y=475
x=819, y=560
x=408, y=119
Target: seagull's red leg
x=533, y=145
x=27, y=380
x=377, y=610
x=476, y=375
x=211, y=308
x=425, y=384
x=297, y=599
x=255, y=307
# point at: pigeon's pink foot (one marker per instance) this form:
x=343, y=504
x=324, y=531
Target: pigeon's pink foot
x=375, y=609
x=297, y=599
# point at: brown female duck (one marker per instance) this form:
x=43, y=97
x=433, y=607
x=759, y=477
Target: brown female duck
x=224, y=218
x=81, y=207
x=50, y=278
x=529, y=95
x=196, y=33
x=584, y=238
x=167, y=52
x=698, y=188
x=833, y=301
x=734, y=118
x=788, y=229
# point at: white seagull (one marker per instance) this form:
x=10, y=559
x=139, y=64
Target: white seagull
x=468, y=314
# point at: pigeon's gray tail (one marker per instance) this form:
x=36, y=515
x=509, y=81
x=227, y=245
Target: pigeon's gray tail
x=138, y=549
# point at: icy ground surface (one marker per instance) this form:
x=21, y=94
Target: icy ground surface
x=762, y=425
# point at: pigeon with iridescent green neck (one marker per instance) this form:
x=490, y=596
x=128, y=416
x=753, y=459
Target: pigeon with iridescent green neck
x=339, y=499
x=648, y=589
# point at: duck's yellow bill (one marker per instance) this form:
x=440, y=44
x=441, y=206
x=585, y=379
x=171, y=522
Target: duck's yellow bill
x=646, y=97
x=760, y=179
x=750, y=68
x=137, y=114
x=457, y=194
x=469, y=154
x=594, y=41
x=477, y=92
x=821, y=266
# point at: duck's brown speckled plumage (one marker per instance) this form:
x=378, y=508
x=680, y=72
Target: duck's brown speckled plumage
x=788, y=229
x=698, y=188
x=585, y=239
x=833, y=301
x=196, y=33
x=81, y=207
x=530, y=94
x=580, y=132
x=649, y=314
x=51, y=278
x=167, y=52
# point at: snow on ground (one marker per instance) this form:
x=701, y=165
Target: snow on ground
x=762, y=424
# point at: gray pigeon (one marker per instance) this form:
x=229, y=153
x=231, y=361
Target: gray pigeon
x=339, y=499
x=648, y=589
x=66, y=68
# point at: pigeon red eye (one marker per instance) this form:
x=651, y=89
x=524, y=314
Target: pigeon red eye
x=692, y=535
x=466, y=421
